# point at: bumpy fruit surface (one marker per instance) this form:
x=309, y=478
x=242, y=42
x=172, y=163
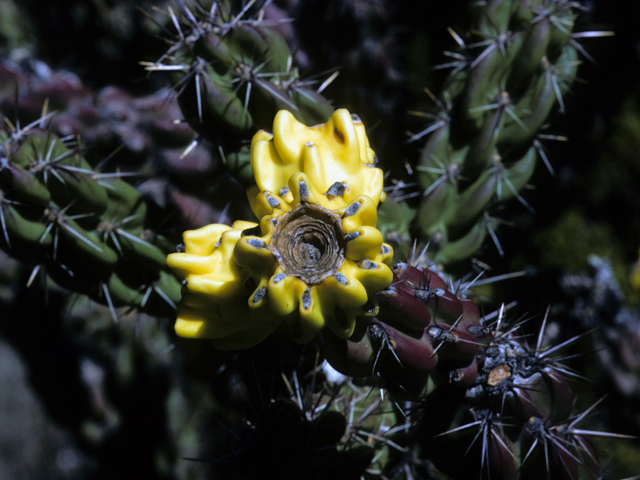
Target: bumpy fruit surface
x=315, y=259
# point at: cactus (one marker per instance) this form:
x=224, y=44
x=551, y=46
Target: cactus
x=86, y=230
x=481, y=148
x=423, y=333
x=426, y=343
x=307, y=346
x=518, y=417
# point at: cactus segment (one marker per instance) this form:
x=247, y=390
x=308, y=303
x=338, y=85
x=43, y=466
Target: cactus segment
x=422, y=330
x=233, y=74
x=85, y=230
x=496, y=100
x=517, y=421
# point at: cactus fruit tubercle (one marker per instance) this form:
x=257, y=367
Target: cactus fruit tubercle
x=314, y=259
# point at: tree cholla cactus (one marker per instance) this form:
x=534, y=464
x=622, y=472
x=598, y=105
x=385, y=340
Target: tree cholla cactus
x=514, y=66
x=318, y=354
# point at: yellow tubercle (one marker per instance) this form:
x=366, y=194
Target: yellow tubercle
x=214, y=301
x=206, y=263
x=372, y=275
x=335, y=156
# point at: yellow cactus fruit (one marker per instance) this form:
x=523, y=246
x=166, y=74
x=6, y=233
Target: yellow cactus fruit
x=318, y=259
x=215, y=295
x=335, y=157
x=317, y=267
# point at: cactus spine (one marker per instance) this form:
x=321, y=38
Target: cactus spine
x=86, y=230
x=481, y=149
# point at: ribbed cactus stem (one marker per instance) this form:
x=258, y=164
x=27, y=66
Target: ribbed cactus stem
x=85, y=229
x=233, y=72
x=518, y=63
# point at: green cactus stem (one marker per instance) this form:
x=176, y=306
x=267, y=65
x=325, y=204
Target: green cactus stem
x=86, y=230
x=513, y=69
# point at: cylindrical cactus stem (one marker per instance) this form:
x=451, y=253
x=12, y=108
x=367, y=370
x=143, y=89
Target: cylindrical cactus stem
x=87, y=231
x=233, y=72
x=555, y=452
x=503, y=92
x=421, y=329
x=516, y=420
x=521, y=383
x=428, y=291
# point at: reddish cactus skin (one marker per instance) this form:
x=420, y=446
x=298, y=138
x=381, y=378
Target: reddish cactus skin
x=421, y=329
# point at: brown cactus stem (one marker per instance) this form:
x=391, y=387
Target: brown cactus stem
x=398, y=347
x=401, y=308
x=553, y=455
x=501, y=461
x=404, y=383
x=439, y=427
x=544, y=394
x=589, y=457
x=461, y=376
x=552, y=395
x=442, y=304
x=471, y=317
x=516, y=402
x=465, y=338
x=453, y=343
x=489, y=446
x=420, y=328
x=431, y=290
x=354, y=356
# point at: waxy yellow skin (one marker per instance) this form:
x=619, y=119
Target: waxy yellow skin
x=238, y=290
x=336, y=151
x=214, y=300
